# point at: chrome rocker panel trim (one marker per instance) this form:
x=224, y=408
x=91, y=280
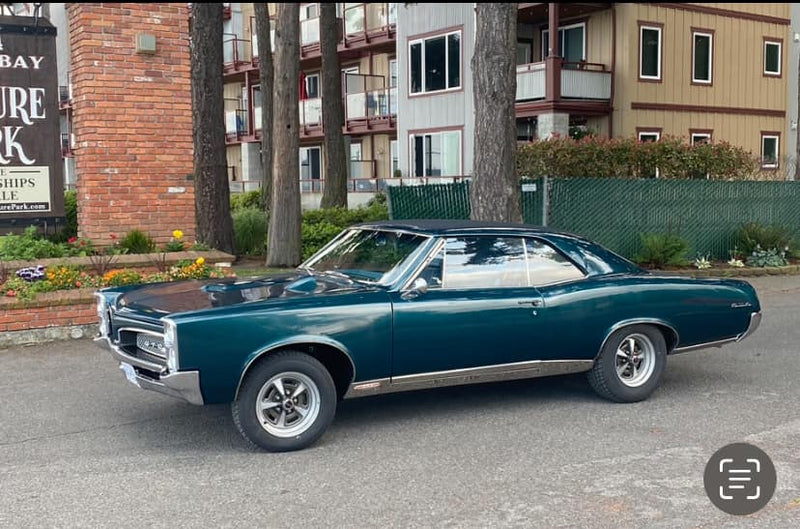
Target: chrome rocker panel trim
x=755, y=321
x=184, y=385
x=473, y=375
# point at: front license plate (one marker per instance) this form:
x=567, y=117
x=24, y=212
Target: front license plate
x=130, y=374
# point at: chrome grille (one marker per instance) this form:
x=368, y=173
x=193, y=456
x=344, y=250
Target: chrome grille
x=151, y=343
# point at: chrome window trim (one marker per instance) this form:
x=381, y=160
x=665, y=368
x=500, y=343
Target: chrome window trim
x=424, y=263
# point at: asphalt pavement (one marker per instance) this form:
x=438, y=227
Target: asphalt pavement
x=81, y=447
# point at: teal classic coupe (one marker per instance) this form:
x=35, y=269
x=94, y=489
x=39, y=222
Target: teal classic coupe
x=404, y=305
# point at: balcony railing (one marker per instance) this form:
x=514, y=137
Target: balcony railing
x=374, y=185
x=360, y=18
x=311, y=111
x=309, y=31
x=372, y=103
x=242, y=186
x=579, y=80
x=234, y=49
x=236, y=124
x=360, y=169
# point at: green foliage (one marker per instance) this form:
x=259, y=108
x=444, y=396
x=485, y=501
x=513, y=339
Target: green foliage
x=125, y=276
x=250, y=231
x=29, y=246
x=200, y=247
x=18, y=288
x=322, y=225
x=659, y=250
x=753, y=235
x=597, y=156
x=136, y=241
x=247, y=200
x=767, y=258
x=70, y=229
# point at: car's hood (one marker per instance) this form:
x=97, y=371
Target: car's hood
x=184, y=296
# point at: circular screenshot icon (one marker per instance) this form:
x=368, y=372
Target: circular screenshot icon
x=740, y=478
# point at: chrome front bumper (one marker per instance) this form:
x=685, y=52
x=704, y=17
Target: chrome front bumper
x=184, y=385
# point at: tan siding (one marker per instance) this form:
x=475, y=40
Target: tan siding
x=234, y=155
x=598, y=38
x=382, y=155
x=780, y=10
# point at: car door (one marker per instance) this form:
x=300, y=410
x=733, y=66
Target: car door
x=479, y=309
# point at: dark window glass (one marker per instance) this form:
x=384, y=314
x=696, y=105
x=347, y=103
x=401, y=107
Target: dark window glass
x=416, y=68
x=702, y=58
x=484, y=262
x=650, y=52
x=572, y=43
x=419, y=156
x=454, y=60
x=770, y=151
x=772, y=58
x=548, y=266
x=434, y=64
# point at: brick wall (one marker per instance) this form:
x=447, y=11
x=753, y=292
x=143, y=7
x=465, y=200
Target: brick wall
x=52, y=309
x=132, y=119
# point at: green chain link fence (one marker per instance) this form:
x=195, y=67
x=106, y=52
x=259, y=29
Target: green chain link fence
x=614, y=212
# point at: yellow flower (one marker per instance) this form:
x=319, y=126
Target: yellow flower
x=200, y=261
x=177, y=234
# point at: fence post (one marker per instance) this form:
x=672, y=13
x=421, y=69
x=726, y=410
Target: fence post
x=545, y=199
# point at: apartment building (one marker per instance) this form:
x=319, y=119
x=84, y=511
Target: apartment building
x=367, y=56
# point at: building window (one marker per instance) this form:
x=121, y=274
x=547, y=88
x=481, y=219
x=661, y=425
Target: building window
x=310, y=169
x=772, y=58
x=392, y=73
x=395, y=160
x=650, y=52
x=645, y=136
x=770, y=142
x=256, y=98
x=436, y=153
x=702, y=54
x=435, y=63
x=312, y=86
x=571, y=42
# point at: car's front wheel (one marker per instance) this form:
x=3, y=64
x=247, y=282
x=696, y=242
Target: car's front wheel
x=630, y=366
x=286, y=402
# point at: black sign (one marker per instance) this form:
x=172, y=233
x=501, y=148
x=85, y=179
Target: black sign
x=31, y=167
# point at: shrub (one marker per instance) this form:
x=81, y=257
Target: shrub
x=767, y=258
x=136, y=241
x=249, y=199
x=660, y=250
x=753, y=235
x=250, y=231
x=28, y=246
x=70, y=228
x=597, y=156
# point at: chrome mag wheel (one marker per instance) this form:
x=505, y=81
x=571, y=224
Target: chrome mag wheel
x=288, y=404
x=635, y=360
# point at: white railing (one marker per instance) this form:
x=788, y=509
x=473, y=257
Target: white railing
x=372, y=103
x=311, y=111
x=309, y=31
x=585, y=84
x=530, y=81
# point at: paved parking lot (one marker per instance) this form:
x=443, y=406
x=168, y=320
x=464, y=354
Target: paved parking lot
x=80, y=447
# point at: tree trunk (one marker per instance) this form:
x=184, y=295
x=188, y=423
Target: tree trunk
x=335, y=192
x=211, y=192
x=266, y=78
x=283, y=234
x=494, y=190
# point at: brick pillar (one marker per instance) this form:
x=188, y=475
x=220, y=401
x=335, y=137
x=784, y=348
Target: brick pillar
x=132, y=120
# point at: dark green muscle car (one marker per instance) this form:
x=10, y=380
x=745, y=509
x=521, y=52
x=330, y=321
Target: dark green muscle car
x=404, y=305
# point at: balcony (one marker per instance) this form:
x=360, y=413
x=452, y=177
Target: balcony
x=236, y=54
x=226, y=11
x=368, y=25
x=374, y=184
x=236, y=125
x=369, y=105
x=585, y=87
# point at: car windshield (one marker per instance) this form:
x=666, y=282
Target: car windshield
x=371, y=256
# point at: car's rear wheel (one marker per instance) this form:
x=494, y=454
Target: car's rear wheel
x=286, y=402
x=630, y=366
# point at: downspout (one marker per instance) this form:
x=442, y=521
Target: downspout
x=613, y=66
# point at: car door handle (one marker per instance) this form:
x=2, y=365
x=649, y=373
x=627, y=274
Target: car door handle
x=532, y=302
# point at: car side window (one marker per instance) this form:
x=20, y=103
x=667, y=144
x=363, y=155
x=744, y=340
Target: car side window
x=432, y=273
x=547, y=265
x=484, y=262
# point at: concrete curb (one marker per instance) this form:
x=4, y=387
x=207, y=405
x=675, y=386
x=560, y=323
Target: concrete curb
x=47, y=334
x=732, y=272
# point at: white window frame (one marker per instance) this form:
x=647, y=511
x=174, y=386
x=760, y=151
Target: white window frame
x=393, y=63
x=777, y=139
x=319, y=86
x=710, y=57
x=412, y=165
x=657, y=136
x=660, y=30
x=546, y=32
x=446, y=63
x=394, y=161
x=321, y=164
x=700, y=136
x=780, y=57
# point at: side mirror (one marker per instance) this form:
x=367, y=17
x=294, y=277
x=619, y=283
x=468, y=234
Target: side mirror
x=418, y=287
